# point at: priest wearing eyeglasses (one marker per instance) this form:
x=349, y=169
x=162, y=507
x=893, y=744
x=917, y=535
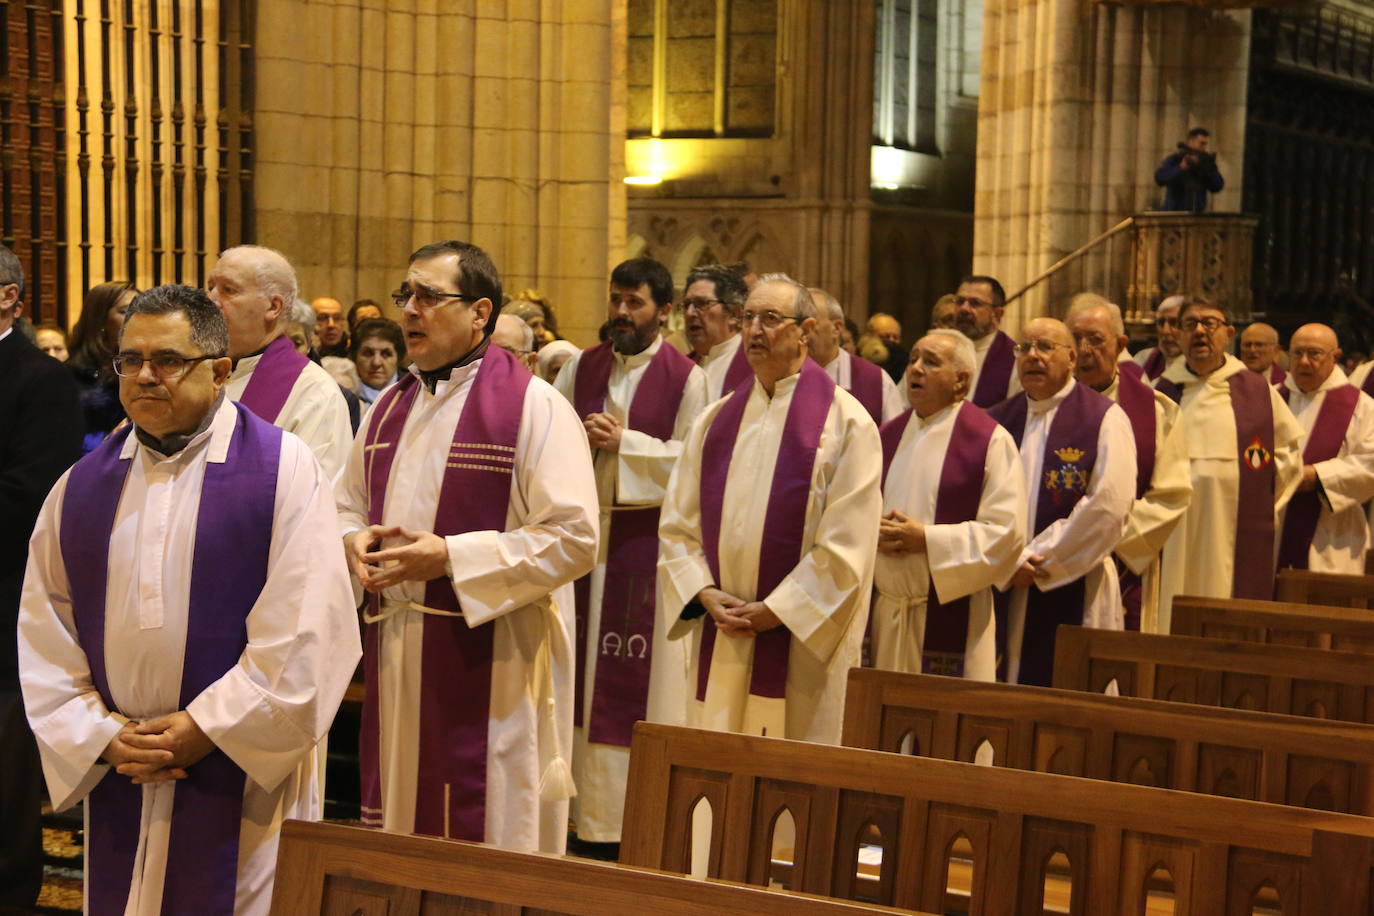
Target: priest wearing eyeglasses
x=187, y=629
x=1078, y=462
x=767, y=540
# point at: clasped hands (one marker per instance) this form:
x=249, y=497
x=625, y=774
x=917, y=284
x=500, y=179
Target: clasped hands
x=898, y=534
x=157, y=749
x=425, y=557
x=735, y=616
x=1031, y=568
x=603, y=431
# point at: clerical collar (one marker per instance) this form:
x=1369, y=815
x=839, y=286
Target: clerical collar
x=435, y=376
x=170, y=445
x=258, y=352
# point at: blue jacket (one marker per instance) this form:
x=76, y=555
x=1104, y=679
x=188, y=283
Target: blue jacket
x=1187, y=189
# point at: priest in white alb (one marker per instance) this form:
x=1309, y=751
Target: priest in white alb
x=1078, y=462
x=767, y=541
x=468, y=508
x=187, y=630
x=711, y=301
x=1163, y=486
x=637, y=397
x=954, y=520
x=254, y=287
x=870, y=385
x=1245, y=460
x=1325, y=528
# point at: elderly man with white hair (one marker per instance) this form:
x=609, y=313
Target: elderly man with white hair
x=767, y=540
x=254, y=288
x=516, y=337
x=1163, y=483
x=1157, y=358
x=954, y=520
x=870, y=385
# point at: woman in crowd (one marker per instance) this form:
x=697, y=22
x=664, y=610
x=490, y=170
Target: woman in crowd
x=94, y=342
x=378, y=349
x=52, y=340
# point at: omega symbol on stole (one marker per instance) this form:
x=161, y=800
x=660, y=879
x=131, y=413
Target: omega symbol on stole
x=1256, y=456
x=1068, y=479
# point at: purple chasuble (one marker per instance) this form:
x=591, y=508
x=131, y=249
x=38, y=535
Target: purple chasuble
x=995, y=377
x=960, y=494
x=620, y=695
x=866, y=384
x=784, y=520
x=228, y=571
x=1155, y=364
x=273, y=378
x=739, y=372
x=1323, y=444
x=1070, y=458
x=455, y=659
x=1252, y=575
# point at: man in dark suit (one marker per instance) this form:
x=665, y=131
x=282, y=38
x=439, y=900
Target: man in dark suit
x=41, y=426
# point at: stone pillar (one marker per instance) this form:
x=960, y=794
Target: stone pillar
x=1080, y=102
x=385, y=125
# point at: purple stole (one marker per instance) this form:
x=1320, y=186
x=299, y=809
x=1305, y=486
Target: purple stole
x=273, y=377
x=1253, y=573
x=456, y=660
x=995, y=378
x=960, y=494
x=784, y=519
x=1368, y=386
x=1137, y=400
x=620, y=695
x=739, y=372
x=866, y=384
x=228, y=572
x=1276, y=374
x=1069, y=461
x=1155, y=364
x=1324, y=443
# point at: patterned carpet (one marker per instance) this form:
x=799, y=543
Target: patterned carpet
x=61, y=862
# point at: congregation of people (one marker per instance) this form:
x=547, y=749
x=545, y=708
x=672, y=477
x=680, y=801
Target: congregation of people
x=707, y=519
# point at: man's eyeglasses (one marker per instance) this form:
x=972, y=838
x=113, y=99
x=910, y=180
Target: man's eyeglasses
x=165, y=365
x=769, y=319
x=1211, y=323
x=329, y=319
x=1166, y=322
x=427, y=298
x=697, y=305
x=1312, y=356
x=1042, y=346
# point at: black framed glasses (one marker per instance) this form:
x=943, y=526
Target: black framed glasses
x=697, y=305
x=165, y=365
x=1211, y=323
x=427, y=298
x=769, y=319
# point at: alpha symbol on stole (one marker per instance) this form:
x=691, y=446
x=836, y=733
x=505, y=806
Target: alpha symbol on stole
x=1256, y=456
x=1068, y=478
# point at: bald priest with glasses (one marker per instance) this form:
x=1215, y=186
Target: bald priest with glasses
x=186, y=630
x=767, y=540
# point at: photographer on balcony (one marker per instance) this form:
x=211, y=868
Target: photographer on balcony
x=1190, y=174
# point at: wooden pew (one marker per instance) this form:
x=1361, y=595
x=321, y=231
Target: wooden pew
x=1291, y=680
x=1316, y=626
x=1220, y=854
x=1286, y=760
x=332, y=870
x=1302, y=587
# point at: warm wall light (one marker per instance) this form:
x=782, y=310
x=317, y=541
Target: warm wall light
x=643, y=179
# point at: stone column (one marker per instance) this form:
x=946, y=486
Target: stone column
x=1080, y=102
x=385, y=125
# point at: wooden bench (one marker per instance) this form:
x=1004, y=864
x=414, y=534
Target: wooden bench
x=1285, y=760
x=1299, y=586
x=1218, y=855
x=338, y=871
x=1211, y=672
x=1316, y=626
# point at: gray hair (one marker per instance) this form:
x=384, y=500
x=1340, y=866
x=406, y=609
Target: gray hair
x=208, y=329
x=802, y=303
x=833, y=310
x=526, y=332
x=1084, y=301
x=301, y=313
x=11, y=271
x=272, y=274
x=1171, y=302
x=965, y=357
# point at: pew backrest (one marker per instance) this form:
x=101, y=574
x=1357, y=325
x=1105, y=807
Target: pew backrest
x=1221, y=854
x=336, y=870
x=1279, y=623
x=1301, y=586
x=1310, y=763
x=1290, y=680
